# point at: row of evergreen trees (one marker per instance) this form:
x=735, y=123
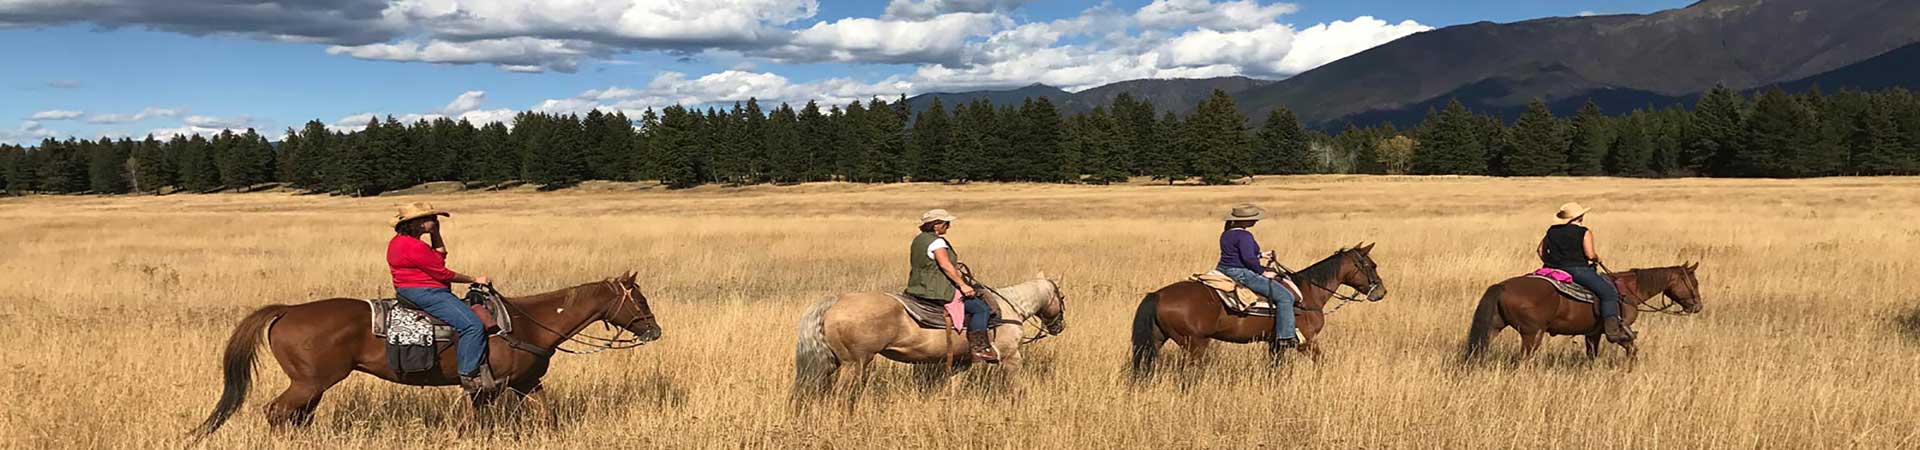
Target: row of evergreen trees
x=1725, y=134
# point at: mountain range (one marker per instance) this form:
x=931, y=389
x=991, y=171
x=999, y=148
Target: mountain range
x=1620, y=62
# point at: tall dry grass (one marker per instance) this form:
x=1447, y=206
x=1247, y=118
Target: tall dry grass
x=112, y=311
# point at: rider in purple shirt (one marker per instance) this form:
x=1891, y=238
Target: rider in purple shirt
x=1240, y=260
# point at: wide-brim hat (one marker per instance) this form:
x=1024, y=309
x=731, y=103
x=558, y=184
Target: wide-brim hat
x=1570, y=211
x=936, y=215
x=415, y=210
x=1246, y=212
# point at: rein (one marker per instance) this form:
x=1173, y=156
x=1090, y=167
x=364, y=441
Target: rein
x=1373, y=284
x=1026, y=317
x=598, y=344
x=1641, y=304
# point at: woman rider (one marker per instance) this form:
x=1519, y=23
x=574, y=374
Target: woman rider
x=935, y=276
x=1240, y=260
x=418, y=259
x=1568, y=246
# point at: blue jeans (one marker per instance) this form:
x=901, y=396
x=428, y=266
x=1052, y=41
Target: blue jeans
x=441, y=303
x=1601, y=287
x=978, y=313
x=1281, y=297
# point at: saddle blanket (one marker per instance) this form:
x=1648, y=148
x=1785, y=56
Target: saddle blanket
x=1563, y=282
x=400, y=324
x=949, y=315
x=1231, y=294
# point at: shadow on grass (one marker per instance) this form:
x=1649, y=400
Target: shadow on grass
x=1907, y=324
x=393, y=408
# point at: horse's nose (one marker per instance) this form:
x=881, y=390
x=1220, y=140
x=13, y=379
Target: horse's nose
x=650, y=334
x=1378, y=294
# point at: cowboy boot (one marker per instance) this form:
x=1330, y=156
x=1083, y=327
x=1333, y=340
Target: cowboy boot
x=1616, y=330
x=479, y=382
x=982, y=347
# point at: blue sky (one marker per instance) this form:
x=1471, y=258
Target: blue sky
x=134, y=67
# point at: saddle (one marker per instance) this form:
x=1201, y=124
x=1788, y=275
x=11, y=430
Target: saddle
x=1563, y=282
x=935, y=315
x=1232, y=294
x=413, y=336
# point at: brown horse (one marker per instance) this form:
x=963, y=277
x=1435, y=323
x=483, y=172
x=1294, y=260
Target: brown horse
x=1532, y=307
x=839, y=336
x=1189, y=313
x=319, y=343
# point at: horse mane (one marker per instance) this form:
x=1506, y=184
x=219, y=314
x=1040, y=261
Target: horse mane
x=1324, y=270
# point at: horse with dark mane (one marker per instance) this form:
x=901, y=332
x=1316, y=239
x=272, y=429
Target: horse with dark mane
x=1189, y=313
x=1532, y=307
x=319, y=343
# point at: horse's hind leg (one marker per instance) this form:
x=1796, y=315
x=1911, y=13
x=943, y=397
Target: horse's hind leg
x=294, y=407
x=1529, y=342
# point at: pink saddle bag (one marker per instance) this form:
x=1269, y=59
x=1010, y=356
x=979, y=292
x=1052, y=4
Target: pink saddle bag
x=1555, y=274
x=957, y=313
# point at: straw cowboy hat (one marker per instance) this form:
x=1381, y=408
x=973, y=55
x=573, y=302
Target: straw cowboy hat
x=1246, y=211
x=415, y=210
x=936, y=215
x=1571, y=210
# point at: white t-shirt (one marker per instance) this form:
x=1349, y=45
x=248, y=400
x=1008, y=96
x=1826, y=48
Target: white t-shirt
x=936, y=245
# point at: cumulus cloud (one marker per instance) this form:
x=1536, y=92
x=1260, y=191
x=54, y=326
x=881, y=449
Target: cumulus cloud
x=923, y=9
x=25, y=133
x=937, y=40
x=330, y=21
x=516, y=54
x=467, y=101
x=239, y=122
x=466, y=106
x=1230, y=15
x=55, y=114
x=721, y=88
x=144, y=114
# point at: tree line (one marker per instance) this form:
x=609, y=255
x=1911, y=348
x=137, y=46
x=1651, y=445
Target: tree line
x=1725, y=134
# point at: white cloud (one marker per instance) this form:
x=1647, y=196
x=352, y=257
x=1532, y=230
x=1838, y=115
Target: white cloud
x=1588, y=14
x=515, y=54
x=240, y=122
x=1230, y=15
x=922, y=9
x=144, y=114
x=26, y=133
x=467, y=101
x=723, y=88
x=55, y=114
x=937, y=40
x=1328, y=42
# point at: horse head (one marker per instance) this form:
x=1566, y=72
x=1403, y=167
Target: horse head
x=1684, y=288
x=1053, y=313
x=629, y=309
x=1361, y=273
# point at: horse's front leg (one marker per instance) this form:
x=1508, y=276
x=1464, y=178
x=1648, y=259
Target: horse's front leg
x=1633, y=354
x=1593, y=347
x=1529, y=343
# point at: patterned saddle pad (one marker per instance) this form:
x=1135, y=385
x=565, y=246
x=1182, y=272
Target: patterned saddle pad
x=1232, y=294
x=400, y=324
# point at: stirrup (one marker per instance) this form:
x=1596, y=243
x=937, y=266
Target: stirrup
x=482, y=382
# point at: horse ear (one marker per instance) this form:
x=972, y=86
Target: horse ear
x=1369, y=248
x=1692, y=266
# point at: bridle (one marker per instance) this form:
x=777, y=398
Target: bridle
x=1366, y=266
x=619, y=341
x=1693, y=285
x=1045, y=325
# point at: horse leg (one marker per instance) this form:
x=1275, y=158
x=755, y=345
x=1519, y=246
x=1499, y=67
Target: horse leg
x=1529, y=342
x=294, y=407
x=1593, y=347
x=1633, y=354
x=1196, y=360
x=851, y=377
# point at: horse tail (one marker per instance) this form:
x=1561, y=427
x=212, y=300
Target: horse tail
x=1486, y=322
x=813, y=360
x=1147, y=337
x=237, y=365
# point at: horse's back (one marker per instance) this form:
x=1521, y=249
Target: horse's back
x=337, y=322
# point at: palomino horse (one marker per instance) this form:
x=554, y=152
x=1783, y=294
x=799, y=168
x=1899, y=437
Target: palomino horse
x=319, y=343
x=1191, y=315
x=840, y=334
x=1532, y=307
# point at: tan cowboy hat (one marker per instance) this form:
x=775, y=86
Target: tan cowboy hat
x=936, y=215
x=1246, y=211
x=1572, y=210
x=415, y=210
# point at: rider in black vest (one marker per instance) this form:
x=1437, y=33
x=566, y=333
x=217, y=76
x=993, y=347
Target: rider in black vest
x=1569, y=247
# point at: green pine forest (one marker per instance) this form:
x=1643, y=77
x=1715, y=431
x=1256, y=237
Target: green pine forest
x=1725, y=134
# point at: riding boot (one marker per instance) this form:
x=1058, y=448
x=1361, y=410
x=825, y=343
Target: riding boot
x=1616, y=330
x=479, y=382
x=982, y=347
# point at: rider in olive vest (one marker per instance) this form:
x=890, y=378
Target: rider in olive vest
x=937, y=275
x=1568, y=246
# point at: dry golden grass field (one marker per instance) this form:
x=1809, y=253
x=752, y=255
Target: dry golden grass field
x=113, y=311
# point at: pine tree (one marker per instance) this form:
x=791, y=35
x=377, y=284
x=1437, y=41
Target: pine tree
x=1631, y=154
x=931, y=138
x=816, y=137
x=1590, y=138
x=1216, y=136
x=886, y=134
x=10, y=157
x=753, y=138
x=676, y=141
x=1539, y=146
x=1875, y=140
x=1140, y=128
x=1102, y=147
x=967, y=158
x=1169, y=161
x=1045, y=158
x=1779, y=129
x=1715, y=133
x=1282, y=145
x=1359, y=146
x=1450, y=144
x=786, y=154
x=497, y=159
x=107, y=167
